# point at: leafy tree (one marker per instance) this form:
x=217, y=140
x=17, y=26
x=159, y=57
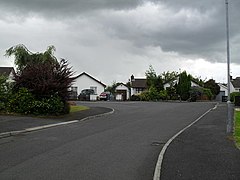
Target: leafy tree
x=184, y=85
x=213, y=86
x=45, y=79
x=153, y=80
x=23, y=56
x=42, y=75
x=169, y=77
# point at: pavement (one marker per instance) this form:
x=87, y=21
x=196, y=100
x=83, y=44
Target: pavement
x=12, y=125
x=203, y=151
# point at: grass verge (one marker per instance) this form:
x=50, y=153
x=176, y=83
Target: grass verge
x=78, y=108
x=237, y=127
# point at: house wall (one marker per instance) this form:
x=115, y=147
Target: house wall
x=124, y=88
x=10, y=77
x=85, y=82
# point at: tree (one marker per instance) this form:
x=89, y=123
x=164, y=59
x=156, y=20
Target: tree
x=213, y=86
x=169, y=77
x=44, y=80
x=153, y=80
x=41, y=75
x=184, y=85
x=23, y=56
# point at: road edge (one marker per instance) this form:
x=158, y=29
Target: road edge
x=13, y=133
x=158, y=167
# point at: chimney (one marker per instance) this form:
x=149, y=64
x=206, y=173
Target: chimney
x=132, y=78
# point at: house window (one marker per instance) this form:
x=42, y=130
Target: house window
x=94, y=88
x=74, y=89
x=139, y=90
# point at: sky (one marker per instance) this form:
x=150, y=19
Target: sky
x=113, y=39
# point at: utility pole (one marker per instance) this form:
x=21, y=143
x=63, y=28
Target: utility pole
x=229, y=115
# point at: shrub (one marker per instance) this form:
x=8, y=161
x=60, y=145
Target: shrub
x=144, y=96
x=232, y=96
x=208, y=93
x=135, y=98
x=52, y=105
x=163, y=95
x=20, y=102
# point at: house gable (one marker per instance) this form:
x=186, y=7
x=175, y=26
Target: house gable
x=8, y=72
x=85, y=81
x=236, y=84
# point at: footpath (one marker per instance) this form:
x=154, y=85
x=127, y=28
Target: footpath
x=12, y=125
x=203, y=152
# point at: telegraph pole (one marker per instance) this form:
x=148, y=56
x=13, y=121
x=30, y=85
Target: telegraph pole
x=229, y=115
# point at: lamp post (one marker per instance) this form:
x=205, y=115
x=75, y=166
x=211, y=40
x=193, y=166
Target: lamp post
x=229, y=115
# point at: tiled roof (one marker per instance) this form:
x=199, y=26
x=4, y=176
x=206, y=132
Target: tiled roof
x=6, y=70
x=139, y=83
x=236, y=82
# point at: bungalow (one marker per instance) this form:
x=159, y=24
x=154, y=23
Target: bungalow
x=138, y=85
x=8, y=72
x=86, y=81
x=234, y=87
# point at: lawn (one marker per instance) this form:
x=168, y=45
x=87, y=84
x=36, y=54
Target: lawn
x=78, y=108
x=237, y=127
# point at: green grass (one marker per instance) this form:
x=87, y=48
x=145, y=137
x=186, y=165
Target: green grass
x=237, y=127
x=78, y=108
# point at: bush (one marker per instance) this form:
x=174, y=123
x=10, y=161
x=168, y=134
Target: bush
x=53, y=106
x=20, y=102
x=208, y=93
x=144, y=96
x=135, y=98
x=24, y=102
x=163, y=95
x=232, y=96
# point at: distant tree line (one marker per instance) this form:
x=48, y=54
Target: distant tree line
x=179, y=87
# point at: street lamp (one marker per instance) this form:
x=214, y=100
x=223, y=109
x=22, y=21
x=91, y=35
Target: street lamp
x=229, y=115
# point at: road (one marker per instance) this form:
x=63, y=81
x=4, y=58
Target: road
x=124, y=145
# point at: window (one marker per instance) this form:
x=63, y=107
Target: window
x=94, y=88
x=74, y=89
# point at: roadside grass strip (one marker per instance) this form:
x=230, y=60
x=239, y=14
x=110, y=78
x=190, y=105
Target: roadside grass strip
x=237, y=127
x=78, y=108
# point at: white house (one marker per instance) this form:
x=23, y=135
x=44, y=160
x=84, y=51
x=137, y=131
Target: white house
x=175, y=81
x=138, y=85
x=85, y=81
x=8, y=72
x=122, y=92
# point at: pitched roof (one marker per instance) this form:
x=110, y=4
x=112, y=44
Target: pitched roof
x=139, y=83
x=6, y=70
x=84, y=73
x=236, y=82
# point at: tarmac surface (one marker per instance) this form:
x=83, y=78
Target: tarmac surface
x=204, y=151
x=9, y=123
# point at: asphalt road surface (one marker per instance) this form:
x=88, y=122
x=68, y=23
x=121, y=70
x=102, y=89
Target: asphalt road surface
x=124, y=145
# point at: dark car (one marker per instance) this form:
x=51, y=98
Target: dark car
x=85, y=94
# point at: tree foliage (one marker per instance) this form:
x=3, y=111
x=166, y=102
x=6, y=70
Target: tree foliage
x=44, y=80
x=213, y=86
x=154, y=80
x=184, y=85
x=23, y=56
x=41, y=79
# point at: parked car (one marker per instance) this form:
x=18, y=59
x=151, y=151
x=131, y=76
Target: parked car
x=105, y=96
x=85, y=94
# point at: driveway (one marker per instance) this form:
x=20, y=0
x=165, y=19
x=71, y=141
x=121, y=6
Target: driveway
x=124, y=145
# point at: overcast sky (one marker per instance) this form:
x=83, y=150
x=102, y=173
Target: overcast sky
x=113, y=39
